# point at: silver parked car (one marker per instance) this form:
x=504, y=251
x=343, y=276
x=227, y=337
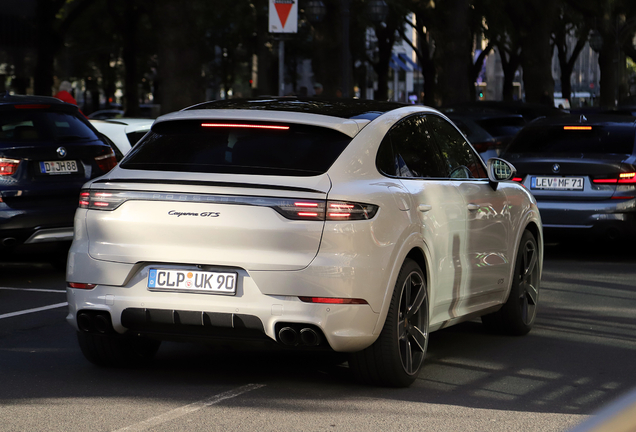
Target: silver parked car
x=350, y=226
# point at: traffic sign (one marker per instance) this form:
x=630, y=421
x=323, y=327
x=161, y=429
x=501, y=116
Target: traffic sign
x=283, y=16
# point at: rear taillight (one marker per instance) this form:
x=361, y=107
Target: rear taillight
x=106, y=162
x=334, y=210
x=8, y=166
x=623, y=178
x=101, y=200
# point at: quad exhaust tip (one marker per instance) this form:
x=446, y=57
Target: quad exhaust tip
x=95, y=322
x=305, y=337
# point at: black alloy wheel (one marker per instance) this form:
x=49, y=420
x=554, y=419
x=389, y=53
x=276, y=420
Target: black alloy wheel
x=396, y=357
x=517, y=315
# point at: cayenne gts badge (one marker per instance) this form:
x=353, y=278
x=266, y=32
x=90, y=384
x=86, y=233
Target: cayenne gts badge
x=204, y=214
x=61, y=152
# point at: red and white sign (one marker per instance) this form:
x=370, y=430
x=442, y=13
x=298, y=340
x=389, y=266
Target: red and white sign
x=283, y=16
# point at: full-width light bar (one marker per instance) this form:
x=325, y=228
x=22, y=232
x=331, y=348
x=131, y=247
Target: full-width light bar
x=577, y=127
x=244, y=126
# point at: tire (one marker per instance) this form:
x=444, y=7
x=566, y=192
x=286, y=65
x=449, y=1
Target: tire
x=117, y=351
x=396, y=357
x=517, y=315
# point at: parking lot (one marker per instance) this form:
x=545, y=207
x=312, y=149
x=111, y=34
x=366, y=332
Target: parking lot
x=577, y=358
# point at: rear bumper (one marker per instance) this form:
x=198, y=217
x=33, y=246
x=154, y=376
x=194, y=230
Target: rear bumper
x=43, y=224
x=132, y=307
x=616, y=216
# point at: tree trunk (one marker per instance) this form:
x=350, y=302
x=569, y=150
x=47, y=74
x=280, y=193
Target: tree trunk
x=609, y=79
x=129, y=56
x=179, y=69
x=453, y=41
x=536, y=54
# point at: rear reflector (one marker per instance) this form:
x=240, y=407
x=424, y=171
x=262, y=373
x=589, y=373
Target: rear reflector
x=248, y=126
x=81, y=285
x=579, y=128
x=517, y=179
x=332, y=300
x=8, y=166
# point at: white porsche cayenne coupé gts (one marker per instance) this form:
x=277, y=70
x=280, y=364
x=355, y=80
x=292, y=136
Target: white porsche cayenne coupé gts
x=348, y=226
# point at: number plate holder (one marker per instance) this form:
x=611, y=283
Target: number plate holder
x=206, y=282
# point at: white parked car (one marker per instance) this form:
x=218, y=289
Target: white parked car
x=352, y=226
x=123, y=132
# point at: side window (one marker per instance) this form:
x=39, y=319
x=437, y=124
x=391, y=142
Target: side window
x=460, y=161
x=413, y=152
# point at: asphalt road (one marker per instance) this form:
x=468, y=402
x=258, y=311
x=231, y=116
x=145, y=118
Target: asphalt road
x=579, y=357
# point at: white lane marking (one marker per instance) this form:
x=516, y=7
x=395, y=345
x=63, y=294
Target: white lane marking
x=34, y=290
x=28, y=311
x=188, y=409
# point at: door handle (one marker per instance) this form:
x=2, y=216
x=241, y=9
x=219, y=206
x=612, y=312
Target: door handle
x=473, y=207
x=424, y=207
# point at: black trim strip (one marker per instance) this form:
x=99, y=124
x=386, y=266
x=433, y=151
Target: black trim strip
x=211, y=183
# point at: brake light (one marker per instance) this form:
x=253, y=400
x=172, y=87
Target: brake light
x=85, y=286
x=332, y=300
x=579, y=128
x=32, y=106
x=8, y=166
x=99, y=200
x=244, y=126
x=106, y=162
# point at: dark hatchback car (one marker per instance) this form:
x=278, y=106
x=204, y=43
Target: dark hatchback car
x=582, y=172
x=48, y=150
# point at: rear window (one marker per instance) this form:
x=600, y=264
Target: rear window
x=27, y=126
x=556, y=139
x=498, y=127
x=237, y=148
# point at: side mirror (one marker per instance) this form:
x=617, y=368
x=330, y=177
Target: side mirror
x=500, y=170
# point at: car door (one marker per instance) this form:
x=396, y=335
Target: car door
x=485, y=253
x=409, y=153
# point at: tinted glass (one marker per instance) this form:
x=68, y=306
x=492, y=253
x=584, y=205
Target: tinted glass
x=409, y=151
x=187, y=146
x=28, y=126
x=460, y=161
x=498, y=127
x=603, y=139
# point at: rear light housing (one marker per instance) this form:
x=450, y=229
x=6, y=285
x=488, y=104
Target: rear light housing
x=623, y=178
x=101, y=200
x=332, y=211
x=293, y=209
x=8, y=166
x=106, y=162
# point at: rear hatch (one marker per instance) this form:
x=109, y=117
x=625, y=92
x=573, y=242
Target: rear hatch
x=46, y=154
x=229, y=193
x=577, y=162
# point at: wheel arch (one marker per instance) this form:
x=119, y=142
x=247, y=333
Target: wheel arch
x=416, y=252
